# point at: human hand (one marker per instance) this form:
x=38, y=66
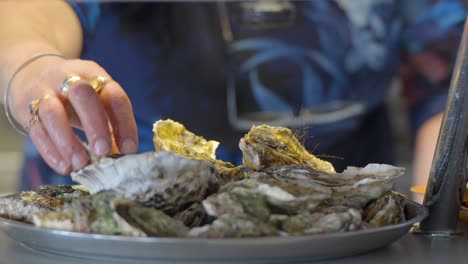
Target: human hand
x=106, y=117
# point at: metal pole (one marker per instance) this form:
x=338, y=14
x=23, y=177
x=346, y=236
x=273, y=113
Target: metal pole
x=447, y=179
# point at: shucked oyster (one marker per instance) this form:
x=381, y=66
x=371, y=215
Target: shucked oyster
x=173, y=136
x=354, y=187
x=265, y=146
x=163, y=180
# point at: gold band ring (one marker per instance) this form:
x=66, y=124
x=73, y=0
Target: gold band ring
x=71, y=79
x=33, y=109
x=99, y=82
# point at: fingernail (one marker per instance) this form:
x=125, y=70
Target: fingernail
x=128, y=146
x=63, y=166
x=79, y=160
x=102, y=147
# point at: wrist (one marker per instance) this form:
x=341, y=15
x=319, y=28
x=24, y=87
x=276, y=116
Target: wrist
x=20, y=70
x=12, y=56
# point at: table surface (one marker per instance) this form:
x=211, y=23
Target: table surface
x=411, y=248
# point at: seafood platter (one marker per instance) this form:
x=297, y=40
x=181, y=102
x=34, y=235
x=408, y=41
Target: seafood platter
x=181, y=203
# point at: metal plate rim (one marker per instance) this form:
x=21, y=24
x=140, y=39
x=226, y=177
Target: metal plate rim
x=238, y=250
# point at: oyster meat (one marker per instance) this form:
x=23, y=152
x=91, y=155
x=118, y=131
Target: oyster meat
x=265, y=146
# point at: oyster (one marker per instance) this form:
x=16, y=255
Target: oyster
x=173, y=136
x=387, y=210
x=354, y=187
x=327, y=220
x=108, y=213
x=260, y=199
x=93, y=214
x=149, y=220
x=163, y=180
x=265, y=146
x=23, y=206
x=239, y=226
x=14, y=208
x=194, y=216
x=53, y=196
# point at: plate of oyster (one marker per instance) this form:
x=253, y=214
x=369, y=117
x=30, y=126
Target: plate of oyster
x=180, y=203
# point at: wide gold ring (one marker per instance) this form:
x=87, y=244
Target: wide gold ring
x=71, y=79
x=99, y=82
x=33, y=109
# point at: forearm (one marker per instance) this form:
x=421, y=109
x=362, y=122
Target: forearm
x=28, y=28
x=425, y=144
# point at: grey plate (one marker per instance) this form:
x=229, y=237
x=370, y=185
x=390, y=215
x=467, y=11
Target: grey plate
x=242, y=250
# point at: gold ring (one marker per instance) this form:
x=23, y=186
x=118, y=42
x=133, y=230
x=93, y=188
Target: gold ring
x=99, y=82
x=71, y=79
x=33, y=109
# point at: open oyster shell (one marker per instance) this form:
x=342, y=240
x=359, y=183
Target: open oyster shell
x=354, y=187
x=265, y=146
x=173, y=136
x=163, y=180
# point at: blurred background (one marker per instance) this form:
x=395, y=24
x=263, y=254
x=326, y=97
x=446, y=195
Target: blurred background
x=10, y=155
x=11, y=145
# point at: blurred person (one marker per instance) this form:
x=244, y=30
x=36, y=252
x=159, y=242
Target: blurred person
x=321, y=67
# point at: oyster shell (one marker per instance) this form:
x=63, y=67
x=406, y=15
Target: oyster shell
x=234, y=227
x=163, y=180
x=87, y=214
x=387, y=210
x=149, y=220
x=14, y=208
x=265, y=146
x=23, y=206
x=354, y=187
x=108, y=213
x=194, y=216
x=327, y=220
x=260, y=200
x=173, y=136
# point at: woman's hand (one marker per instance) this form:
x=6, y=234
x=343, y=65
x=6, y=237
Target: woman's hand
x=106, y=118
